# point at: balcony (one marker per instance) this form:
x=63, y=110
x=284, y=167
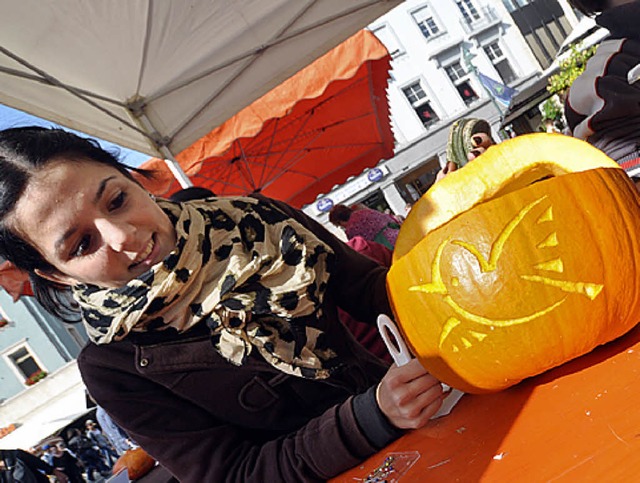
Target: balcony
x=487, y=18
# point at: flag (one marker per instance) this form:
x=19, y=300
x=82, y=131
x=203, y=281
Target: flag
x=498, y=91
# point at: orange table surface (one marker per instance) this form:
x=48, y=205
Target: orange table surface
x=577, y=422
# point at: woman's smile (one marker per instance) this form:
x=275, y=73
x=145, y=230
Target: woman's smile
x=144, y=257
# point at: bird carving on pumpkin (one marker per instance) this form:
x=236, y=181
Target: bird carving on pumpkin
x=489, y=264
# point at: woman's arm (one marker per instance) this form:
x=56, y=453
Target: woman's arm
x=196, y=446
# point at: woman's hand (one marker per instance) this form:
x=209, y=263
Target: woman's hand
x=409, y=396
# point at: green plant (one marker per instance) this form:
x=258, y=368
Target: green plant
x=35, y=377
x=570, y=68
x=552, y=115
x=551, y=110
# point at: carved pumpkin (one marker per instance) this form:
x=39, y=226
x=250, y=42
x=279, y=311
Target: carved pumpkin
x=518, y=262
x=137, y=462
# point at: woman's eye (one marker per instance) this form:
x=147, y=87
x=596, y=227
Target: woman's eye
x=118, y=201
x=83, y=247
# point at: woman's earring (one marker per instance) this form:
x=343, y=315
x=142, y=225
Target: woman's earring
x=152, y=196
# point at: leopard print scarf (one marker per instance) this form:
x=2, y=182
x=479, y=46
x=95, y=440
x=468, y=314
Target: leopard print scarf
x=243, y=267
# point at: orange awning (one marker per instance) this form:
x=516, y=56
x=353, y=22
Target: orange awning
x=14, y=281
x=329, y=121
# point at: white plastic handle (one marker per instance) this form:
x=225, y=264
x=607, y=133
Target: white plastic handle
x=401, y=355
x=397, y=347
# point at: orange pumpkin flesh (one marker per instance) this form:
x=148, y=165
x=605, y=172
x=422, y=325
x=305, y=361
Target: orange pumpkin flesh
x=522, y=277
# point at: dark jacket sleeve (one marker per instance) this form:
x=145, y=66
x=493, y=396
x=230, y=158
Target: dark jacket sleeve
x=602, y=104
x=34, y=463
x=196, y=447
x=357, y=282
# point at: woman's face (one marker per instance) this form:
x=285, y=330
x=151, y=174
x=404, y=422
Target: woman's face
x=92, y=223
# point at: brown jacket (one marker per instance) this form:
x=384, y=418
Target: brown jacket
x=207, y=420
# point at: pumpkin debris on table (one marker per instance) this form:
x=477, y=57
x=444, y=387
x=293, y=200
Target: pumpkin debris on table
x=136, y=461
x=522, y=260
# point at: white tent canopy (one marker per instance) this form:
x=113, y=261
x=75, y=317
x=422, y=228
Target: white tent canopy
x=156, y=75
x=44, y=408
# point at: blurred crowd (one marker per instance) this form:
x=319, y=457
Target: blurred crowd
x=77, y=456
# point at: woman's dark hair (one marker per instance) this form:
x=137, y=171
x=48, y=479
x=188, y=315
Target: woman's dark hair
x=340, y=213
x=192, y=193
x=590, y=7
x=23, y=152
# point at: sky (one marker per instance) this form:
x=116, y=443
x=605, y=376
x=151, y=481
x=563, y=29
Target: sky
x=10, y=117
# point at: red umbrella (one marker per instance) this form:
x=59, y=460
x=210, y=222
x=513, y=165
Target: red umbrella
x=14, y=281
x=329, y=121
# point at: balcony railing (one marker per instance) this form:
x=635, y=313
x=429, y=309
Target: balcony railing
x=488, y=18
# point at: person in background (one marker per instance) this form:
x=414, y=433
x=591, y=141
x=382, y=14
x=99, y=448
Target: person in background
x=370, y=224
x=407, y=209
x=87, y=452
x=94, y=433
x=602, y=106
x=18, y=466
x=116, y=435
x=63, y=460
x=468, y=139
x=47, y=454
x=215, y=340
x=364, y=333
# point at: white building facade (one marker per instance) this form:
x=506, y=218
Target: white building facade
x=438, y=48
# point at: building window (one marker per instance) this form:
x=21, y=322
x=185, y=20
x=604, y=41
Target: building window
x=513, y=5
x=426, y=114
x=493, y=51
x=455, y=72
x=421, y=105
x=468, y=10
x=500, y=62
x=426, y=21
x=466, y=92
x=25, y=363
x=387, y=36
x=414, y=93
x=75, y=335
x=377, y=201
x=460, y=80
x=414, y=184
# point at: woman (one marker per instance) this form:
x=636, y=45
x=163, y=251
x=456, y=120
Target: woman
x=215, y=338
x=370, y=224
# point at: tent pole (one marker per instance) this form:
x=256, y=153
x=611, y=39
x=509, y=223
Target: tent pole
x=175, y=168
x=169, y=159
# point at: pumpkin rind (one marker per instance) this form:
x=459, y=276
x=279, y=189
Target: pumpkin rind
x=523, y=282
x=137, y=462
x=504, y=167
